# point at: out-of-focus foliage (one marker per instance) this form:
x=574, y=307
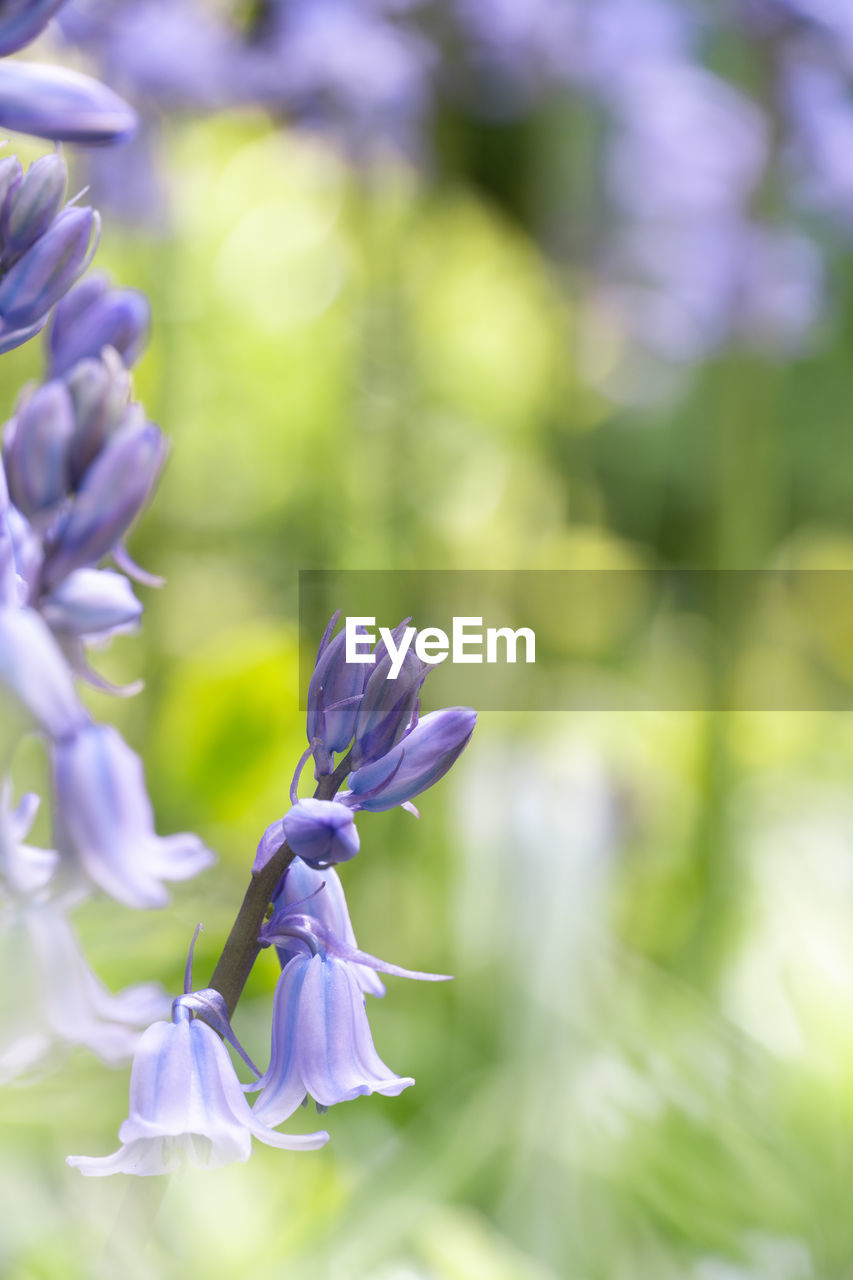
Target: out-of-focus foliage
x=643, y=1068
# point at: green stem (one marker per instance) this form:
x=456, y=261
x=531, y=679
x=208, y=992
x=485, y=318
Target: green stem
x=242, y=947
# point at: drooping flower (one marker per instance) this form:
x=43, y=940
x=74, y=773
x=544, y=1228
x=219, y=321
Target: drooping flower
x=320, y=895
x=54, y=998
x=106, y=825
x=321, y=1041
x=34, y=670
x=186, y=1103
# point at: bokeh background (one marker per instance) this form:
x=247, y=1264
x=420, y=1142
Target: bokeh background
x=565, y=318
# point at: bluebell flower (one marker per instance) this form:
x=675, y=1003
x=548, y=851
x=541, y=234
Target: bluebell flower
x=22, y=20
x=92, y=604
x=100, y=395
x=47, y=270
x=321, y=832
x=321, y=1041
x=112, y=494
x=31, y=203
x=105, y=824
x=320, y=896
x=334, y=695
x=36, y=447
x=55, y=999
x=94, y=315
x=61, y=105
x=35, y=672
x=389, y=707
x=187, y=1104
x=416, y=763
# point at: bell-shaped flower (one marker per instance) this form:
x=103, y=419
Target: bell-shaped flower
x=186, y=1103
x=320, y=895
x=94, y=315
x=55, y=999
x=105, y=822
x=321, y=832
x=423, y=756
x=34, y=670
x=31, y=204
x=61, y=105
x=321, y=1041
x=334, y=693
x=114, y=491
x=49, y=267
x=22, y=20
x=36, y=442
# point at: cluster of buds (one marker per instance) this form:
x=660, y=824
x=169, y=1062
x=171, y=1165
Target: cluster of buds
x=185, y=1098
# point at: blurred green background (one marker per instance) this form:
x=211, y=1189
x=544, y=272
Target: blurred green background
x=644, y=1066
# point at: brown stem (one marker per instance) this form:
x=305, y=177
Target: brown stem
x=241, y=947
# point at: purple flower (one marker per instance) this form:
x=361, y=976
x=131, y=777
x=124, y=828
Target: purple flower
x=22, y=20
x=48, y=269
x=93, y=604
x=61, y=105
x=55, y=998
x=321, y=1042
x=423, y=757
x=321, y=832
x=320, y=896
x=389, y=705
x=100, y=393
x=33, y=669
x=32, y=203
x=36, y=450
x=105, y=822
x=113, y=492
x=186, y=1103
x=334, y=694
x=94, y=315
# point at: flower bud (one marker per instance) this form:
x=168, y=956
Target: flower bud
x=83, y=325
x=321, y=832
x=22, y=20
x=416, y=763
x=99, y=390
x=49, y=267
x=91, y=602
x=387, y=707
x=113, y=493
x=61, y=105
x=33, y=205
x=333, y=696
x=37, y=450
